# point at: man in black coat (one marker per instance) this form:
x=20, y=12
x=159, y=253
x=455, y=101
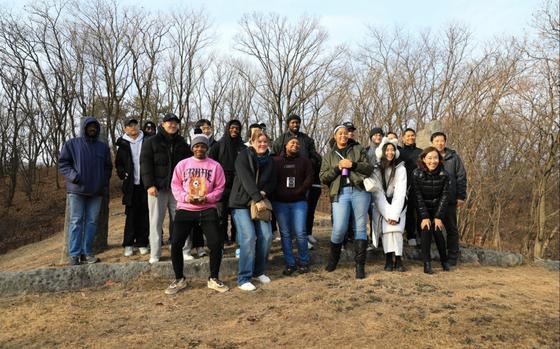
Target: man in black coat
x=160, y=154
x=457, y=192
x=307, y=150
x=127, y=163
x=225, y=152
x=409, y=154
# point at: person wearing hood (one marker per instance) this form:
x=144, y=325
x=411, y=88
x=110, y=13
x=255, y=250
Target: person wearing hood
x=255, y=180
x=344, y=169
x=225, y=152
x=159, y=156
x=457, y=192
x=127, y=164
x=85, y=162
x=198, y=183
x=375, y=136
x=149, y=129
x=294, y=177
x=409, y=154
x=307, y=150
x=389, y=185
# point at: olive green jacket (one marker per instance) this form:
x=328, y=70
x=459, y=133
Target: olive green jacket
x=330, y=173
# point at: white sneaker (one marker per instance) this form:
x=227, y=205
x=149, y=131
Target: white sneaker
x=370, y=248
x=187, y=256
x=311, y=239
x=200, y=251
x=277, y=239
x=128, y=251
x=217, y=285
x=309, y=245
x=247, y=287
x=144, y=250
x=412, y=242
x=263, y=279
x=153, y=260
x=176, y=286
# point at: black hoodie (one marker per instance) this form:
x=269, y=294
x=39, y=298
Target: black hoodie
x=225, y=152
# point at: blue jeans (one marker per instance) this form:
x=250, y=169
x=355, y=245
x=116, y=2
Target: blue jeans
x=82, y=225
x=255, y=238
x=352, y=200
x=291, y=218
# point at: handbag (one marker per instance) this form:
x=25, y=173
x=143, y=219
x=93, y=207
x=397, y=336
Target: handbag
x=264, y=215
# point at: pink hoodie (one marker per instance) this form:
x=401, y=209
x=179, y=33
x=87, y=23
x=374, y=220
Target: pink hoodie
x=194, y=177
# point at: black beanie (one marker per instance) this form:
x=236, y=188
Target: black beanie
x=293, y=117
x=376, y=130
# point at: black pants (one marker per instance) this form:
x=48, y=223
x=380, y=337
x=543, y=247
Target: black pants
x=182, y=227
x=137, y=225
x=197, y=237
x=312, y=200
x=411, y=224
x=224, y=213
x=450, y=223
x=426, y=236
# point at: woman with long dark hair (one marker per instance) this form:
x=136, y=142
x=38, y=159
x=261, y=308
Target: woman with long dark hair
x=431, y=188
x=390, y=199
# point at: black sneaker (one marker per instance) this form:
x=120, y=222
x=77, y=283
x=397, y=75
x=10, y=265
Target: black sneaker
x=289, y=270
x=75, y=260
x=303, y=269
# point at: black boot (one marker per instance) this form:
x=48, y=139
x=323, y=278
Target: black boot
x=398, y=264
x=333, y=257
x=360, y=247
x=428, y=268
x=388, y=261
x=445, y=266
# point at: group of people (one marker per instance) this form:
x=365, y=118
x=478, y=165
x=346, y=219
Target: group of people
x=261, y=184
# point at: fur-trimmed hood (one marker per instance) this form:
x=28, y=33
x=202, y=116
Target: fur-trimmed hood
x=379, y=149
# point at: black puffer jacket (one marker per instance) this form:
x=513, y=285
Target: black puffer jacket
x=457, y=174
x=160, y=154
x=431, y=190
x=245, y=187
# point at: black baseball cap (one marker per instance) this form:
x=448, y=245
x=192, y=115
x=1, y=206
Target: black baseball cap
x=171, y=116
x=129, y=121
x=349, y=126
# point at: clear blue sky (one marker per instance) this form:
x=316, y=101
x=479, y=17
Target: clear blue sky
x=346, y=20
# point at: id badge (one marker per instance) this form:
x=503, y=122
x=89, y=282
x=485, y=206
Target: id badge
x=290, y=182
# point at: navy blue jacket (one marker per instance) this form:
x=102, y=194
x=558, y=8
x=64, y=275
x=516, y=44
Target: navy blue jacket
x=86, y=163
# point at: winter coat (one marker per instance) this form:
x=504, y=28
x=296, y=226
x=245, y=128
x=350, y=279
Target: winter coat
x=160, y=154
x=396, y=192
x=306, y=149
x=86, y=163
x=331, y=175
x=457, y=174
x=244, y=187
x=124, y=165
x=431, y=192
x=298, y=167
x=225, y=151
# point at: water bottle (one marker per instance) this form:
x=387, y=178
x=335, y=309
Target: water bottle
x=345, y=172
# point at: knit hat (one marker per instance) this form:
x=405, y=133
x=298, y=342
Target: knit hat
x=149, y=124
x=234, y=122
x=199, y=138
x=384, y=141
x=293, y=117
x=376, y=130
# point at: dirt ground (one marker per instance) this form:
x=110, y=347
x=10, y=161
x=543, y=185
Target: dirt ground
x=471, y=307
